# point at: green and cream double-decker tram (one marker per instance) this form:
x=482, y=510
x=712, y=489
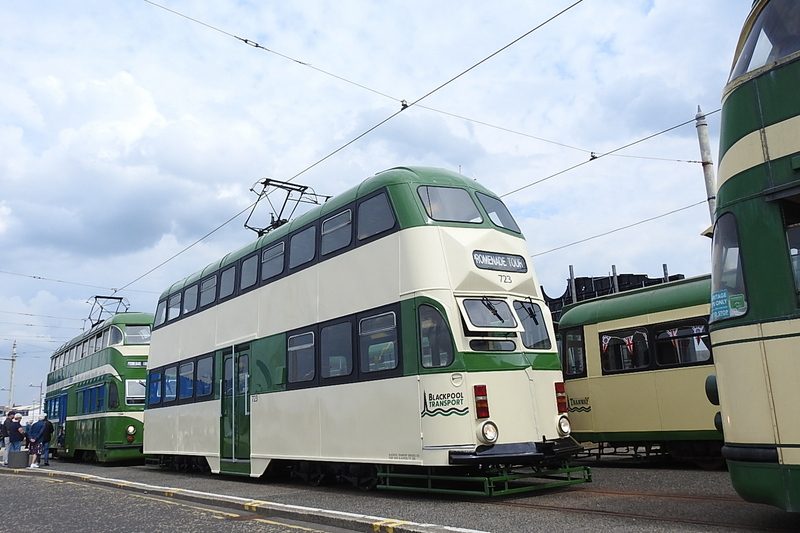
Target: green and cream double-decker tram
x=755, y=298
x=635, y=363
x=96, y=390
x=394, y=335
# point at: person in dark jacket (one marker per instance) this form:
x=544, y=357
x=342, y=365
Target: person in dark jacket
x=16, y=434
x=46, y=436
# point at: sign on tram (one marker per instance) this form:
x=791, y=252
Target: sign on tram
x=502, y=262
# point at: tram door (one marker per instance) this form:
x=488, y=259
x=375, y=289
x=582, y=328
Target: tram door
x=235, y=446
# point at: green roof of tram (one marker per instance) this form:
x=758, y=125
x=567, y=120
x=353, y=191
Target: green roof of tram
x=653, y=299
x=392, y=176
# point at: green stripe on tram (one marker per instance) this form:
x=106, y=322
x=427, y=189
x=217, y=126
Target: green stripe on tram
x=777, y=94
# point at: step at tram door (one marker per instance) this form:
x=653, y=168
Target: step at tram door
x=235, y=405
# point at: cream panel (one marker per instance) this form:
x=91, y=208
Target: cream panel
x=371, y=421
x=581, y=413
x=591, y=342
x=625, y=402
x=545, y=415
x=422, y=273
x=443, y=425
x=747, y=152
x=781, y=327
x=789, y=456
x=783, y=362
x=189, y=429
x=734, y=334
x=134, y=350
x=235, y=325
x=458, y=245
x=656, y=318
x=682, y=398
x=366, y=278
x=744, y=394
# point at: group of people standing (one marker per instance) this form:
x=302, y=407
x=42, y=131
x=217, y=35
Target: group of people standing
x=37, y=436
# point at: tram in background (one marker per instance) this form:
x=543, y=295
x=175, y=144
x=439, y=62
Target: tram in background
x=394, y=336
x=755, y=298
x=634, y=365
x=96, y=390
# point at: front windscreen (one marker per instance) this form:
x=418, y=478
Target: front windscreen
x=137, y=334
x=728, y=294
x=534, y=334
x=489, y=313
x=449, y=204
x=774, y=35
x=498, y=212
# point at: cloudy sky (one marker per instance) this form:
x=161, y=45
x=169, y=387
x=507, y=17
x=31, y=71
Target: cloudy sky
x=129, y=130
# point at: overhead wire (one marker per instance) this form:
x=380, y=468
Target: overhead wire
x=40, y=316
x=595, y=157
x=404, y=105
x=257, y=45
x=662, y=215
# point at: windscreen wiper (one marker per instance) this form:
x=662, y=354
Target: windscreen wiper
x=492, y=309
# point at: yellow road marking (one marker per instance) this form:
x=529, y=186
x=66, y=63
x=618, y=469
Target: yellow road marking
x=387, y=525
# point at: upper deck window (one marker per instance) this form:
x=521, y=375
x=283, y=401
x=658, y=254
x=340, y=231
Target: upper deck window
x=226, y=282
x=208, y=291
x=137, y=334
x=498, y=212
x=272, y=261
x=190, y=299
x=336, y=232
x=161, y=313
x=249, y=272
x=728, y=291
x=448, y=204
x=302, y=247
x=774, y=35
x=375, y=216
x=174, y=307
x=116, y=336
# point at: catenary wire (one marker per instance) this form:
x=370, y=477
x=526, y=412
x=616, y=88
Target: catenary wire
x=256, y=45
x=403, y=107
x=662, y=215
x=598, y=156
x=40, y=316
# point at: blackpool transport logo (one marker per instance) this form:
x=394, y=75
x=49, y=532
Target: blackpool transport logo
x=443, y=404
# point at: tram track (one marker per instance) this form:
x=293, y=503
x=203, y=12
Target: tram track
x=606, y=492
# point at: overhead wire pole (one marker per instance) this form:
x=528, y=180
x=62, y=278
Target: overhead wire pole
x=13, y=360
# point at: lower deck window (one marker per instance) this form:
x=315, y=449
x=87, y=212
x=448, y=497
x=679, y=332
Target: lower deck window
x=378, y=342
x=300, y=350
x=573, y=355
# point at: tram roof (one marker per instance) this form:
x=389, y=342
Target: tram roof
x=118, y=319
x=653, y=299
x=393, y=176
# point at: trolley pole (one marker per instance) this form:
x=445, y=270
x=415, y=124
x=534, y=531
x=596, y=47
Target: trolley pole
x=708, y=164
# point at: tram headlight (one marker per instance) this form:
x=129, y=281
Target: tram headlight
x=489, y=432
x=564, y=428
x=130, y=430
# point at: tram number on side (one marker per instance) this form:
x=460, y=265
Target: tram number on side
x=504, y=278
